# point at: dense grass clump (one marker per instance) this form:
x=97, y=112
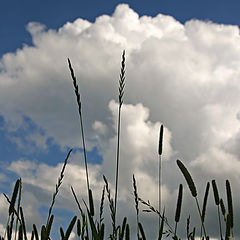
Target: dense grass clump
x=88, y=226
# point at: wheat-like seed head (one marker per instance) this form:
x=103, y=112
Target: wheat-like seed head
x=122, y=80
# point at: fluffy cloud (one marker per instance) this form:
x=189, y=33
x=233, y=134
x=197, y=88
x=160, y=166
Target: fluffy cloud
x=185, y=76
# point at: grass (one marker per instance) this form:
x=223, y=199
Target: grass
x=89, y=226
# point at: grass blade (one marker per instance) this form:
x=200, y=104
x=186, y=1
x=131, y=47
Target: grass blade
x=49, y=226
x=91, y=204
x=62, y=233
x=229, y=200
x=205, y=201
x=141, y=231
x=70, y=228
x=101, y=206
x=18, y=205
x=20, y=233
x=76, y=200
x=78, y=227
x=92, y=225
x=43, y=233
x=122, y=231
x=35, y=232
x=223, y=209
x=217, y=202
x=228, y=227
x=14, y=197
x=23, y=223
x=127, y=236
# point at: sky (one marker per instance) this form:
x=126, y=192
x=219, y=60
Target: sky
x=182, y=71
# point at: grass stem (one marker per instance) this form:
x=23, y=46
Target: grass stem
x=77, y=93
x=121, y=92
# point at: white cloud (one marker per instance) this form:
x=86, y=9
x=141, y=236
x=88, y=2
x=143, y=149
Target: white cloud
x=184, y=76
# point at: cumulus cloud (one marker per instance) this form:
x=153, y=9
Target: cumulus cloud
x=185, y=76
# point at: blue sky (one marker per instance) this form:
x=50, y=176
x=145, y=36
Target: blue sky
x=183, y=70
x=15, y=15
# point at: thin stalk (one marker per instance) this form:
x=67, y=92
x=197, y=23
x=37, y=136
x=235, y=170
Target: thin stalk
x=217, y=202
x=120, y=98
x=18, y=205
x=118, y=153
x=205, y=204
x=219, y=220
x=81, y=122
x=204, y=230
x=160, y=148
x=136, y=204
x=159, y=189
x=84, y=152
x=59, y=182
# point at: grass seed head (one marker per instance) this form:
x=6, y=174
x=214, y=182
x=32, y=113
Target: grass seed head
x=188, y=178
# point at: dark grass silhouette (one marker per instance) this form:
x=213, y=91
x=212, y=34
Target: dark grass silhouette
x=89, y=226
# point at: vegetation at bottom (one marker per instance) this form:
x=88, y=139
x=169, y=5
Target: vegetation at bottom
x=87, y=225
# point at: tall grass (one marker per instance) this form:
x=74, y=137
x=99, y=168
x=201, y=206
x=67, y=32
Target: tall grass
x=160, y=150
x=120, y=102
x=87, y=225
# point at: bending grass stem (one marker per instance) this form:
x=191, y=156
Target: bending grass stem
x=204, y=230
x=219, y=220
x=81, y=122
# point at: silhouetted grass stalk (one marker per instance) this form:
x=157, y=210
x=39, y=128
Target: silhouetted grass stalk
x=178, y=208
x=60, y=179
x=205, y=204
x=192, y=188
x=90, y=228
x=136, y=203
x=120, y=100
x=77, y=93
x=217, y=202
x=230, y=204
x=160, y=148
x=18, y=205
